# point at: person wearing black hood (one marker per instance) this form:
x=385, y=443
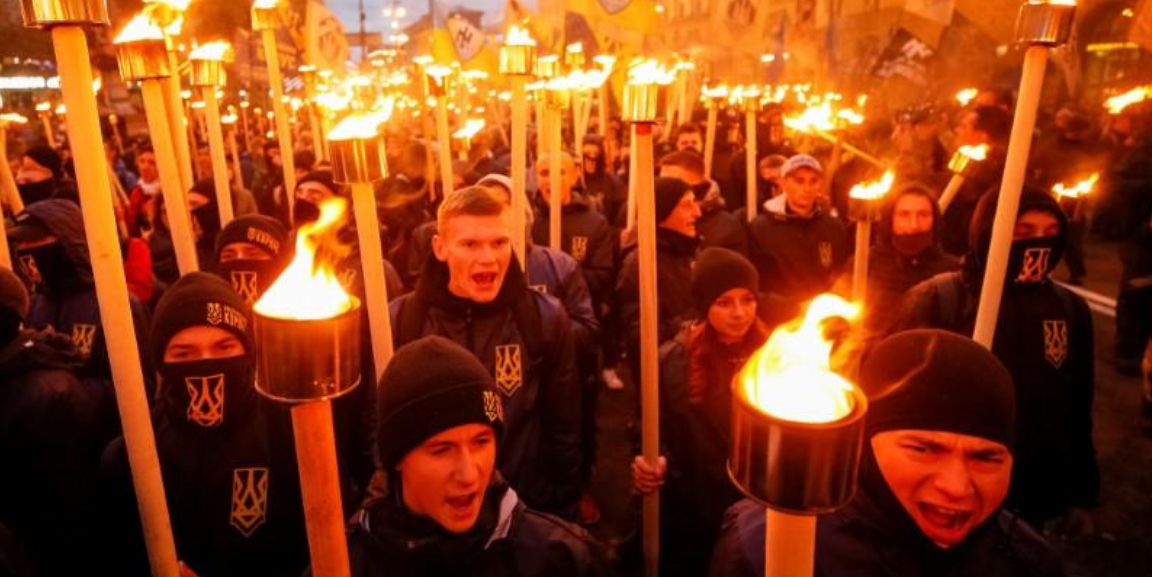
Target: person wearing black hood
x=225, y=452
x=251, y=251
x=609, y=191
x=447, y=510
x=41, y=168
x=1044, y=336
x=205, y=221
x=268, y=187
x=51, y=435
x=937, y=462
x=981, y=126
x=906, y=253
x=52, y=253
x=473, y=292
x=717, y=226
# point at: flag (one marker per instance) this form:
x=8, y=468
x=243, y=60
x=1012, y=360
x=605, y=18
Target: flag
x=325, y=46
x=456, y=38
x=906, y=57
x=940, y=11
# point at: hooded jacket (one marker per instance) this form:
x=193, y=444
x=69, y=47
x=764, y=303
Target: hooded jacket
x=525, y=339
x=586, y=237
x=609, y=191
x=675, y=254
x=508, y=540
x=1044, y=337
x=717, y=226
x=986, y=177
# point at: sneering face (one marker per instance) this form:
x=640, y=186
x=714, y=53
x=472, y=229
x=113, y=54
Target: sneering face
x=445, y=478
x=948, y=483
x=477, y=250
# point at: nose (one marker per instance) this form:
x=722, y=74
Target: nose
x=952, y=478
x=467, y=470
x=739, y=310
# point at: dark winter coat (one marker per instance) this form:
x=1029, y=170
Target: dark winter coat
x=675, y=254
x=556, y=274
x=525, y=339
x=717, y=227
x=585, y=236
x=986, y=176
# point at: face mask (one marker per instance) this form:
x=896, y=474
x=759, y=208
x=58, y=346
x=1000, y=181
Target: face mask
x=31, y=192
x=210, y=394
x=912, y=244
x=304, y=212
x=55, y=270
x=1032, y=260
x=249, y=278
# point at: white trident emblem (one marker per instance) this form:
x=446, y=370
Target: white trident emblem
x=1056, y=342
x=205, y=400
x=244, y=283
x=509, y=373
x=1035, y=265
x=83, y=335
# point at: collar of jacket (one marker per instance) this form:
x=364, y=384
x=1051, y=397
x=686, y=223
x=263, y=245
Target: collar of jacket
x=676, y=243
x=777, y=207
x=432, y=287
x=577, y=203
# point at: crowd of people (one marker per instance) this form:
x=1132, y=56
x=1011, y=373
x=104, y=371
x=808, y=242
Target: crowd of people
x=475, y=453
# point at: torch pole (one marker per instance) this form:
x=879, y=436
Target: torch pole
x=860, y=263
x=445, y=144
x=632, y=168
x=9, y=192
x=175, y=203
x=49, y=133
x=83, y=125
x=710, y=139
x=850, y=148
x=789, y=545
x=541, y=126
x=375, y=286
x=283, y=132
x=235, y=152
x=219, y=158
x=603, y=107
x=312, y=428
x=519, y=166
x=950, y=191
x=750, y=167
x=555, y=177
x=173, y=106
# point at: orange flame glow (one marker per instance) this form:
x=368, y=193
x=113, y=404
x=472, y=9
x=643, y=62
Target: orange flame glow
x=216, y=51
x=363, y=125
x=12, y=118
x=43, y=106
x=873, y=190
x=814, y=118
x=791, y=378
x=470, y=128
x=977, y=153
x=717, y=92
x=518, y=36
x=1078, y=190
x=1117, y=104
x=140, y=28
x=649, y=71
x=265, y=4
x=966, y=96
x=309, y=288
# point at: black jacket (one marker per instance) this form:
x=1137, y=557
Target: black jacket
x=675, y=254
x=556, y=274
x=51, y=433
x=986, y=176
x=509, y=540
x=525, y=338
x=586, y=236
x=717, y=227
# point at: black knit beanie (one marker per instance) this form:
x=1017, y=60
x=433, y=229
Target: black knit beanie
x=324, y=177
x=199, y=299
x=47, y=157
x=717, y=271
x=935, y=380
x=260, y=230
x=431, y=385
x=669, y=193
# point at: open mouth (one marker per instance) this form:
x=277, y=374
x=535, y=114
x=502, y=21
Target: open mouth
x=463, y=505
x=944, y=518
x=485, y=280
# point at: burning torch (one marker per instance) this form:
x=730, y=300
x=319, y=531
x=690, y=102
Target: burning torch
x=640, y=108
x=820, y=121
x=749, y=99
x=142, y=57
x=965, y=96
x=437, y=76
x=265, y=20
x=547, y=68
x=1076, y=194
x=865, y=199
x=1041, y=26
x=169, y=16
x=66, y=20
x=517, y=59
x=797, y=435
x=1118, y=103
x=557, y=97
x=307, y=332
x=308, y=72
x=607, y=62
x=208, y=75
x=962, y=165
x=44, y=111
x=713, y=99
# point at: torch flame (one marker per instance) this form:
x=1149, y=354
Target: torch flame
x=139, y=29
x=649, y=71
x=813, y=118
x=717, y=92
x=361, y=126
x=43, y=106
x=606, y=62
x=790, y=377
x=177, y=5
x=61, y=109
x=1117, y=104
x=309, y=288
x=850, y=116
x=977, y=153
x=216, y=51
x=12, y=118
x=470, y=128
x=518, y=36
x=966, y=96
x=1078, y=190
x=265, y=4
x=873, y=190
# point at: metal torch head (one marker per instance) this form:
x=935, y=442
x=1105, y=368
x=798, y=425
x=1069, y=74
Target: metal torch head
x=797, y=468
x=301, y=361
x=1046, y=23
x=143, y=60
x=517, y=59
x=47, y=13
x=207, y=73
x=640, y=103
x=265, y=18
x=358, y=160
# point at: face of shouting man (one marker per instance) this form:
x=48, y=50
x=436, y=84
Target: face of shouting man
x=477, y=250
x=446, y=476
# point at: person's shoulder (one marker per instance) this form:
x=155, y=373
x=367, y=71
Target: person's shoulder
x=1026, y=547
x=555, y=543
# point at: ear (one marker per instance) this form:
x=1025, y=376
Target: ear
x=439, y=248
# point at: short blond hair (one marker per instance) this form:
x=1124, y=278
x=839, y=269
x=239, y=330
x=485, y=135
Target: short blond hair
x=469, y=201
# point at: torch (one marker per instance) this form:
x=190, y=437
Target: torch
x=10, y=193
x=1076, y=194
x=307, y=331
x=142, y=57
x=713, y=100
x=169, y=16
x=1041, y=26
x=641, y=96
x=966, y=96
x=66, y=20
x=606, y=62
x=749, y=99
x=517, y=59
x=309, y=73
x=556, y=99
x=44, y=111
x=961, y=165
x=818, y=121
x=208, y=75
x=865, y=199
x=437, y=75
x=797, y=435
x=466, y=133
x=229, y=120
x=358, y=160
x=265, y=20
x=547, y=67
x=684, y=70
x=1118, y=103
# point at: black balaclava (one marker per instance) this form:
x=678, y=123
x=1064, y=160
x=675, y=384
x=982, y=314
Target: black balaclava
x=32, y=192
x=1031, y=260
x=251, y=278
x=303, y=211
x=211, y=394
x=206, y=217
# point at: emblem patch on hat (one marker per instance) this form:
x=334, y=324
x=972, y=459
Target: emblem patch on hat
x=1056, y=342
x=493, y=407
x=1035, y=266
x=579, y=248
x=244, y=283
x=30, y=271
x=221, y=313
x=249, y=499
x=205, y=400
x=264, y=239
x=83, y=335
x=509, y=371
x=826, y=254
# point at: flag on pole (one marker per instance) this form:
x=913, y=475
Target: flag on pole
x=906, y=57
x=325, y=46
x=457, y=38
x=940, y=11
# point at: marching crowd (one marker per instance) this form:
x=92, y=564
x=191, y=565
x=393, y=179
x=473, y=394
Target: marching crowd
x=475, y=452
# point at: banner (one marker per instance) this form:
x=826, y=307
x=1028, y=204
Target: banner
x=457, y=38
x=940, y=11
x=905, y=57
x=325, y=45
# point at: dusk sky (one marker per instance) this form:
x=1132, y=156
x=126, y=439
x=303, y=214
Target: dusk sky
x=348, y=10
